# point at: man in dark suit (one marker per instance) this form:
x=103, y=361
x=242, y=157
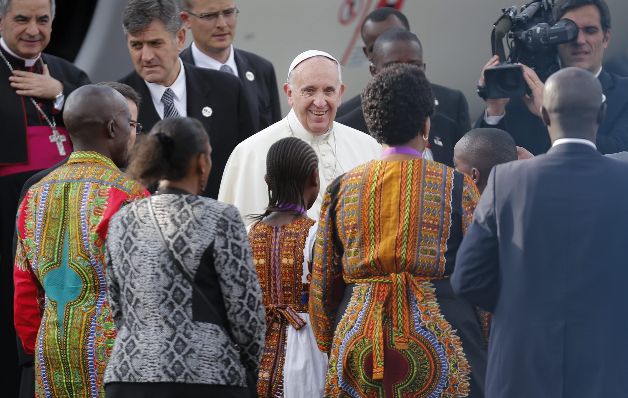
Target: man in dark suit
x=213, y=25
x=451, y=119
x=170, y=88
x=377, y=22
x=520, y=117
x=546, y=254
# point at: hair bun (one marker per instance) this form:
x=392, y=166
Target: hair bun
x=166, y=142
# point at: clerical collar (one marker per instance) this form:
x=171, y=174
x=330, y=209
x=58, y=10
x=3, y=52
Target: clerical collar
x=203, y=60
x=27, y=62
x=298, y=130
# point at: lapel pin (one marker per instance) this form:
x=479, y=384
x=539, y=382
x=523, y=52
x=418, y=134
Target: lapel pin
x=250, y=76
x=207, y=111
x=437, y=141
x=435, y=102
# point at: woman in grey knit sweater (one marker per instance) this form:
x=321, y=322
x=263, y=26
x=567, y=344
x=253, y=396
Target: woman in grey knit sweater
x=175, y=339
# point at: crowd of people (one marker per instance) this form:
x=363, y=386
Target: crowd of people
x=171, y=235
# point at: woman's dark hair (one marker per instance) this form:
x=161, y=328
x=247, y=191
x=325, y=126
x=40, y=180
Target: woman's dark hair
x=564, y=6
x=289, y=163
x=166, y=151
x=396, y=103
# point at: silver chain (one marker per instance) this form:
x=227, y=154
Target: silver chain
x=51, y=123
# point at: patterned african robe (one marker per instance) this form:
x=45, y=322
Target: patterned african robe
x=282, y=259
x=388, y=235
x=60, y=309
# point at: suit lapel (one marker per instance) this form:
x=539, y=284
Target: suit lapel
x=148, y=114
x=616, y=101
x=250, y=88
x=199, y=101
x=186, y=56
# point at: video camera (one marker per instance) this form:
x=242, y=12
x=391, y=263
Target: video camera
x=532, y=39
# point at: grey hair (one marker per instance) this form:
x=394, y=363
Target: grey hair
x=138, y=14
x=5, y=6
x=290, y=78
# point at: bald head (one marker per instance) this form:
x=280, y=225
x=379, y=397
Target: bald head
x=572, y=104
x=479, y=150
x=97, y=118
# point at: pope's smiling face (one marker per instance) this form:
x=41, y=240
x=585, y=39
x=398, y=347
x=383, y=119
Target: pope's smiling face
x=314, y=92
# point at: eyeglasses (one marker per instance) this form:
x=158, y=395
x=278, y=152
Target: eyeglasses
x=137, y=126
x=212, y=17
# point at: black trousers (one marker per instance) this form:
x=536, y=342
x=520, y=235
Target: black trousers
x=10, y=187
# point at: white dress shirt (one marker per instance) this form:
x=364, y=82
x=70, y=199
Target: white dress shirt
x=178, y=88
x=561, y=141
x=203, y=60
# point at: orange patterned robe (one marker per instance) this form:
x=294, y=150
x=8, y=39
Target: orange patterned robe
x=389, y=230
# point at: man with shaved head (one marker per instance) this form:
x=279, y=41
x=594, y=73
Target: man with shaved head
x=480, y=150
x=546, y=254
x=61, y=312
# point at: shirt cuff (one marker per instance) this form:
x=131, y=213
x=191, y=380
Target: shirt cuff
x=58, y=104
x=493, y=120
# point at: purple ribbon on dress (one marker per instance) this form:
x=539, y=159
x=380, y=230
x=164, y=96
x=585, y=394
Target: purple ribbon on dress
x=401, y=150
x=292, y=207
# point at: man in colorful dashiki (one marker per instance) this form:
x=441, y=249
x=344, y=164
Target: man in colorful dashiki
x=61, y=314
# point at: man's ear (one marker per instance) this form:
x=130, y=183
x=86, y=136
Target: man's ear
x=601, y=113
x=111, y=130
x=185, y=17
x=607, y=38
x=475, y=175
x=372, y=69
x=545, y=116
x=287, y=89
x=181, y=39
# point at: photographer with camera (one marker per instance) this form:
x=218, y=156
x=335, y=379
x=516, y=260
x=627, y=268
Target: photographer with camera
x=521, y=116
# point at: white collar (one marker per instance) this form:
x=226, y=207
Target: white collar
x=298, y=130
x=27, y=62
x=203, y=60
x=597, y=75
x=561, y=141
x=178, y=87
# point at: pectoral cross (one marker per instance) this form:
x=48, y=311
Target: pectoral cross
x=58, y=139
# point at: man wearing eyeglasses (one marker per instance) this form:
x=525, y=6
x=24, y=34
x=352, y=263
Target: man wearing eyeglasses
x=155, y=36
x=213, y=25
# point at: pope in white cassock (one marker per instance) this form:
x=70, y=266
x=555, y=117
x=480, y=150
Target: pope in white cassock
x=314, y=88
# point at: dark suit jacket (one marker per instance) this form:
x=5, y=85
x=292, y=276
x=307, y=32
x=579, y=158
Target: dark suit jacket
x=529, y=131
x=229, y=124
x=13, y=149
x=261, y=92
x=547, y=254
x=449, y=123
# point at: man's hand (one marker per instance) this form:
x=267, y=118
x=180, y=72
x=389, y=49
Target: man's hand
x=494, y=107
x=36, y=85
x=534, y=101
x=523, y=154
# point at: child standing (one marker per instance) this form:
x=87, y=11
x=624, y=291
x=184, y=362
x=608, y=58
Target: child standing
x=282, y=240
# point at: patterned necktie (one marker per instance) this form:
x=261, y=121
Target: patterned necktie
x=226, y=68
x=168, y=101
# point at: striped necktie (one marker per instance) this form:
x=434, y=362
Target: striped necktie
x=226, y=68
x=168, y=100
